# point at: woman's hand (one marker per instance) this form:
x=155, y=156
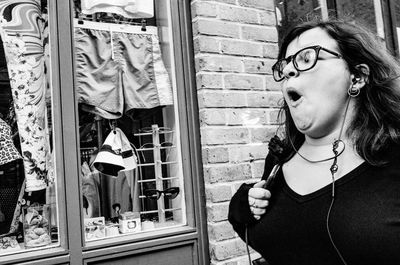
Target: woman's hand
x=258, y=199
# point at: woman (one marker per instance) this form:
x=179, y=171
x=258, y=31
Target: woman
x=336, y=196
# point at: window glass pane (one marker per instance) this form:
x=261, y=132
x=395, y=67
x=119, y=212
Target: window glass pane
x=397, y=12
x=366, y=12
x=28, y=204
x=293, y=12
x=132, y=179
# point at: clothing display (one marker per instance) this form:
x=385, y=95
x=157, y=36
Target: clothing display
x=115, y=154
x=121, y=191
x=364, y=221
x=126, y=8
x=119, y=69
x=104, y=192
x=90, y=192
x=8, y=152
x=21, y=29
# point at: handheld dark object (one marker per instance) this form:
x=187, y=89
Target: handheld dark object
x=275, y=147
x=271, y=177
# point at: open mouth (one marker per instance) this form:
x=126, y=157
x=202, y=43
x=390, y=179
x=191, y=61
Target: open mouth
x=293, y=95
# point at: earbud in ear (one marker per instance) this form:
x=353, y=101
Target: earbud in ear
x=355, y=80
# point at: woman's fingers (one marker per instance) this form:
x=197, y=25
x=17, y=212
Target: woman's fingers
x=259, y=193
x=258, y=199
x=257, y=211
x=259, y=184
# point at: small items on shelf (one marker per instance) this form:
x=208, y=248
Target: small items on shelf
x=36, y=224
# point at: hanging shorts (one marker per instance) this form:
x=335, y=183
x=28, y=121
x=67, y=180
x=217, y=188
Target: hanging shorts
x=119, y=68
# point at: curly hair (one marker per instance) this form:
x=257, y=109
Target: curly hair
x=376, y=124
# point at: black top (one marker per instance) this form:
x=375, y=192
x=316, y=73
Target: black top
x=364, y=221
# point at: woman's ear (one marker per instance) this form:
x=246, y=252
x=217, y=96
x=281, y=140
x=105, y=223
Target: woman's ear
x=361, y=77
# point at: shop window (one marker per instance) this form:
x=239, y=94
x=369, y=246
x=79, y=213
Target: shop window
x=368, y=13
x=292, y=12
x=28, y=197
x=397, y=19
x=131, y=165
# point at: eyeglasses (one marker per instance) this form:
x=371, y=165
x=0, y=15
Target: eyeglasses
x=154, y=194
x=303, y=60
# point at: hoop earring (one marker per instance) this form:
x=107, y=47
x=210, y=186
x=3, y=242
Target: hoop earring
x=353, y=91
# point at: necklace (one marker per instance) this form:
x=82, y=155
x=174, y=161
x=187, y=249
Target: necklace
x=333, y=169
x=335, y=145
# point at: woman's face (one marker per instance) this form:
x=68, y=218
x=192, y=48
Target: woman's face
x=317, y=97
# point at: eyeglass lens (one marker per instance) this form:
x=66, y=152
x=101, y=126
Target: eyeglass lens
x=303, y=60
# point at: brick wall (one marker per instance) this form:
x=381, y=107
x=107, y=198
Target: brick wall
x=235, y=44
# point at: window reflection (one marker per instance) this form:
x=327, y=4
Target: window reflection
x=28, y=211
x=129, y=138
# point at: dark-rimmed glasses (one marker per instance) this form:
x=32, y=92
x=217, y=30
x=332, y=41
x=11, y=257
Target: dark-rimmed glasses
x=303, y=60
x=154, y=194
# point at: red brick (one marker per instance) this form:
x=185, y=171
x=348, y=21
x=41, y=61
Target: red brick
x=219, y=99
x=220, y=231
x=212, y=117
x=209, y=80
x=259, y=33
x=215, y=28
x=216, y=63
x=227, y=249
x=213, y=155
x=219, y=192
x=227, y=172
x=207, y=44
x=240, y=81
x=237, y=14
x=254, y=66
x=267, y=18
x=270, y=50
x=204, y=9
x=243, y=48
x=271, y=85
x=262, y=134
x=246, y=153
x=217, y=211
x=261, y=4
x=264, y=100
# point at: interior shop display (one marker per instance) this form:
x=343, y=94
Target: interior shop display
x=154, y=194
x=94, y=228
x=36, y=224
x=23, y=33
x=131, y=173
x=159, y=185
x=28, y=203
x=126, y=8
x=115, y=154
x=119, y=69
x=8, y=151
x=131, y=176
x=129, y=222
x=125, y=196
x=8, y=243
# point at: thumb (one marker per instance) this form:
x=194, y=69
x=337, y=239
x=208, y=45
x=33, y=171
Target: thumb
x=259, y=184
